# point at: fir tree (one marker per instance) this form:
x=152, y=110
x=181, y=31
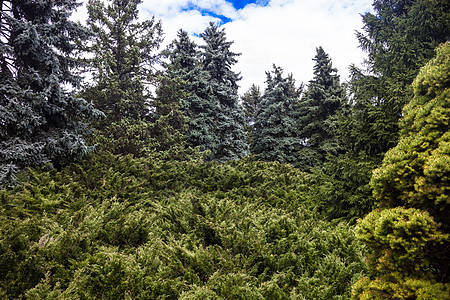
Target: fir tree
x=276, y=136
x=123, y=56
x=250, y=105
x=217, y=60
x=41, y=122
x=318, y=113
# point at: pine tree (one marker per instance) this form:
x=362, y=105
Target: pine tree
x=217, y=60
x=276, y=136
x=318, y=113
x=123, y=56
x=41, y=122
x=250, y=105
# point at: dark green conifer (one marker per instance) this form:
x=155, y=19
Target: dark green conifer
x=250, y=105
x=318, y=113
x=399, y=37
x=123, y=56
x=40, y=120
x=276, y=136
x=121, y=52
x=217, y=60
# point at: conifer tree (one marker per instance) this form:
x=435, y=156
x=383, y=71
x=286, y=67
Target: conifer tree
x=40, y=121
x=276, y=136
x=250, y=105
x=409, y=239
x=399, y=37
x=121, y=59
x=318, y=113
x=217, y=60
x=191, y=92
x=123, y=56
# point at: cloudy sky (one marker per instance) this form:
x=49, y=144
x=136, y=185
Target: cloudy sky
x=266, y=32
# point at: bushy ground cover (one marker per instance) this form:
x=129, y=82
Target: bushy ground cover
x=115, y=227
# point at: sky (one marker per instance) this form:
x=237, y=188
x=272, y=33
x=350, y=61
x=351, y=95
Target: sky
x=266, y=32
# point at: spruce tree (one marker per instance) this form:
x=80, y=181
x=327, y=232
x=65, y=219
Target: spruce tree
x=250, y=105
x=40, y=120
x=217, y=60
x=318, y=113
x=121, y=58
x=276, y=136
x=193, y=93
x=399, y=37
x=122, y=51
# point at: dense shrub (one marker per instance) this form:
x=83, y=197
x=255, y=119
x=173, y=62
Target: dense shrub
x=117, y=227
x=409, y=241
x=400, y=241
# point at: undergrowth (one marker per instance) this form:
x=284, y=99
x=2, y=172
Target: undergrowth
x=115, y=227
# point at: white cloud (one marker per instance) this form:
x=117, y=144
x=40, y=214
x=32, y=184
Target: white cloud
x=287, y=32
x=284, y=32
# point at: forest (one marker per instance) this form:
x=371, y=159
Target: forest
x=128, y=171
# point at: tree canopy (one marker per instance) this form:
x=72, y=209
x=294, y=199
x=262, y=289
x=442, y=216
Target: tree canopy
x=276, y=135
x=41, y=122
x=317, y=116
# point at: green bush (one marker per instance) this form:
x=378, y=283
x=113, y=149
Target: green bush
x=400, y=241
x=125, y=228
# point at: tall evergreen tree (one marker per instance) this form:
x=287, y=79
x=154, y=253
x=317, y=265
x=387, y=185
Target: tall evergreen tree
x=276, y=136
x=250, y=105
x=190, y=90
x=123, y=57
x=217, y=60
x=40, y=121
x=183, y=95
x=121, y=52
x=318, y=113
x=399, y=37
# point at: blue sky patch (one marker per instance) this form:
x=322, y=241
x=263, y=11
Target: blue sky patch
x=238, y=4
x=204, y=12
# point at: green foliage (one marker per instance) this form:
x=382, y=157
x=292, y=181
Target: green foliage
x=339, y=187
x=317, y=115
x=41, y=122
x=410, y=246
x=123, y=56
x=118, y=227
x=400, y=241
x=399, y=38
x=275, y=135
